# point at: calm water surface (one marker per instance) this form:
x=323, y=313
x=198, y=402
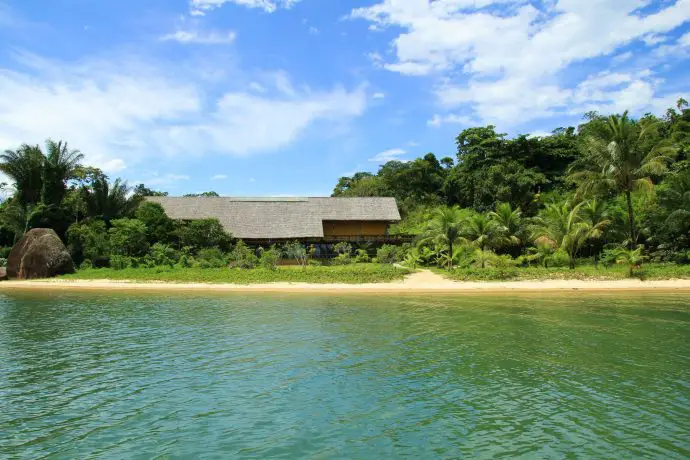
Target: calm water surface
x=166, y=376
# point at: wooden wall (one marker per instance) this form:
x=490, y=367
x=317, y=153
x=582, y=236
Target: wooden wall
x=354, y=228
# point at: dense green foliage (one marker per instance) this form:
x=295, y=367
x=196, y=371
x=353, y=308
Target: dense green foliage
x=350, y=274
x=611, y=190
x=611, y=183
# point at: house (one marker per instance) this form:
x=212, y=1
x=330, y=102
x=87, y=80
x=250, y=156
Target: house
x=277, y=220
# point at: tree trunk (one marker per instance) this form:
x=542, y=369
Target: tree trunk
x=450, y=252
x=631, y=220
x=572, y=261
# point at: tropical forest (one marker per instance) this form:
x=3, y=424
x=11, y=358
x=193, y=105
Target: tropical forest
x=608, y=198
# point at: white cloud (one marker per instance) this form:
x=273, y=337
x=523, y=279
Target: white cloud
x=388, y=155
x=439, y=120
x=219, y=177
x=201, y=38
x=507, y=59
x=684, y=40
x=313, y=30
x=378, y=96
x=251, y=179
x=169, y=179
x=124, y=112
x=621, y=58
x=114, y=165
x=199, y=7
x=540, y=134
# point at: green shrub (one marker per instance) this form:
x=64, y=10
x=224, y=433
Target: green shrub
x=185, y=261
x=343, y=248
x=88, y=240
x=5, y=252
x=211, y=258
x=342, y=259
x=3, y=262
x=128, y=237
x=86, y=264
x=361, y=256
x=162, y=254
x=270, y=258
x=390, y=254
x=296, y=251
x=242, y=256
x=314, y=263
x=118, y=262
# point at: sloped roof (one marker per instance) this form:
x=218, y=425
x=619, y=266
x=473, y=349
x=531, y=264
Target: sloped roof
x=278, y=218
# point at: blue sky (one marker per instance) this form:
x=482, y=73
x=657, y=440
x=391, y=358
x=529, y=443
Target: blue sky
x=282, y=97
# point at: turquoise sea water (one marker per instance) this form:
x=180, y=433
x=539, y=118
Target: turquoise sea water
x=228, y=376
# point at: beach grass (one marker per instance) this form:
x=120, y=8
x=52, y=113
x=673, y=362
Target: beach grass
x=346, y=274
x=581, y=272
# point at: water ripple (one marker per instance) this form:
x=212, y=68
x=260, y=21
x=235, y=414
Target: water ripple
x=131, y=376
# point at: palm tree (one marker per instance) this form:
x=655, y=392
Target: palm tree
x=60, y=165
x=623, y=157
x=633, y=258
x=508, y=222
x=480, y=230
x=445, y=228
x=25, y=167
x=596, y=215
x=562, y=226
x=111, y=201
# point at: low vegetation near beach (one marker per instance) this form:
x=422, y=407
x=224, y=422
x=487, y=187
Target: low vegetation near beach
x=346, y=274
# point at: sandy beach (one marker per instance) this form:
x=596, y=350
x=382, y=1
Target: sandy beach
x=420, y=282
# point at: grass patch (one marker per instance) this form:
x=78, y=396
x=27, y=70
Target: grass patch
x=584, y=272
x=348, y=274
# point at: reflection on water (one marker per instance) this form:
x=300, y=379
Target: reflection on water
x=140, y=376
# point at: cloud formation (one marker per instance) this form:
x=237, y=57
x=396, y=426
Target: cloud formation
x=505, y=58
x=201, y=38
x=123, y=113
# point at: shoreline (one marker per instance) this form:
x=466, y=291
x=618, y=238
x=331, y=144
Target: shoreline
x=413, y=284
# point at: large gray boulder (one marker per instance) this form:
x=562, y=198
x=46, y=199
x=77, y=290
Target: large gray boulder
x=39, y=254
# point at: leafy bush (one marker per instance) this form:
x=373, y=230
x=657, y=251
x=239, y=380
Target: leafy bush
x=342, y=259
x=270, y=258
x=118, y=262
x=242, y=257
x=185, y=261
x=88, y=240
x=361, y=256
x=5, y=252
x=128, y=237
x=3, y=262
x=343, y=248
x=162, y=254
x=159, y=226
x=204, y=233
x=86, y=264
x=389, y=254
x=296, y=251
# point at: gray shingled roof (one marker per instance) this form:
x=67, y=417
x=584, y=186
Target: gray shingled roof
x=278, y=218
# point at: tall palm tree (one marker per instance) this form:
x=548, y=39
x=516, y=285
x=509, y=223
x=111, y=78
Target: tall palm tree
x=562, y=226
x=623, y=157
x=60, y=165
x=508, y=223
x=480, y=230
x=111, y=201
x=445, y=229
x=25, y=167
x=595, y=214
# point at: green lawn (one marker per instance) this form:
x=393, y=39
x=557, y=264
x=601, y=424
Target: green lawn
x=350, y=274
x=583, y=272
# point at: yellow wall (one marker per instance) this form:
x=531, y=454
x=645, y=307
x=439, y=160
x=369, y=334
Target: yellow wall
x=354, y=228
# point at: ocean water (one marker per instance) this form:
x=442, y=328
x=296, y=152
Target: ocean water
x=289, y=376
